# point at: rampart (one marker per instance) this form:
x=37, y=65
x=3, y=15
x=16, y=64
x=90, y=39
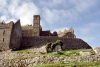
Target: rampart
x=68, y=43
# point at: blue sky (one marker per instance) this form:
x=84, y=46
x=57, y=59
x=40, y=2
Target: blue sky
x=82, y=15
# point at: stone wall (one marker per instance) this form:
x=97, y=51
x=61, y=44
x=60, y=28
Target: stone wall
x=68, y=43
x=5, y=34
x=67, y=33
x=47, y=59
x=16, y=36
x=36, y=30
x=27, y=30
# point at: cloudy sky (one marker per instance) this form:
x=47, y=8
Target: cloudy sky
x=82, y=15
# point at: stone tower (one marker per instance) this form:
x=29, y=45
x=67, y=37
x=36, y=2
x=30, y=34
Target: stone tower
x=36, y=25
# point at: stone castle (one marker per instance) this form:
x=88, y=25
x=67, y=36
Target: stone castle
x=14, y=36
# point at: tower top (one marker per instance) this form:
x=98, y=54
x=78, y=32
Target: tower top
x=35, y=16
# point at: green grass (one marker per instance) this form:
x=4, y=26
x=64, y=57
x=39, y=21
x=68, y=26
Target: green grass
x=96, y=65
x=73, y=64
x=68, y=53
x=22, y=51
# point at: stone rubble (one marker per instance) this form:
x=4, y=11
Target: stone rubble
x=16, y=59
x=47, y=59
x=97, y=50
x=84, y=53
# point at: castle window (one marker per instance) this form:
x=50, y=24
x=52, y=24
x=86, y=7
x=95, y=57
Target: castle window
x=3, y=39
x=3, y=32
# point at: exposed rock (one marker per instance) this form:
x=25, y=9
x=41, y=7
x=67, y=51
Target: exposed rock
x=47, y=59
x=83, y=53
x=58, y=48
x=42, y=49
x=49, y=49
x=97, y=50
x=16, y=59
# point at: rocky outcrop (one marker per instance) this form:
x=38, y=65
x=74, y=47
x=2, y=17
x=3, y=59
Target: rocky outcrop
x=97, y=50
x=84, y=53
x=42, y=49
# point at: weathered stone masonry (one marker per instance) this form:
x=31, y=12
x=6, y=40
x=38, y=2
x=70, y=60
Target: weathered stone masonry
x=69, y=43
x=16, y=36
x=10, y=35
x=34, y=36
x=5, y=35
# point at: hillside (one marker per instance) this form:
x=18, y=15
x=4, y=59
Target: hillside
x=28, y=57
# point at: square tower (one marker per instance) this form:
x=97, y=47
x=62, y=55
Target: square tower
x=36, y=25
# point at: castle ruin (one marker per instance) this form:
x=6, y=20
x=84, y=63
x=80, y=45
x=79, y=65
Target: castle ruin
x=14, y=36
x=10, y=35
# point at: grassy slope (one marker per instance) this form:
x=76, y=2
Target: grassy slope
x=73, y=64
x=68, y=53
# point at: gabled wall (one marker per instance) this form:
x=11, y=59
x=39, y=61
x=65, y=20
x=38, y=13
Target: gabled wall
x=16, y=36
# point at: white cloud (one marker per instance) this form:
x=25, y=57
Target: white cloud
x=22, y=10
x=26, y=12
x=3, y=18
x=50, y=10
x=53, y=14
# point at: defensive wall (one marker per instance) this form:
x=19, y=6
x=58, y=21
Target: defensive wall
x=68, y=43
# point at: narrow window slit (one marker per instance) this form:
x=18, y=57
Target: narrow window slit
x=3, y=39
